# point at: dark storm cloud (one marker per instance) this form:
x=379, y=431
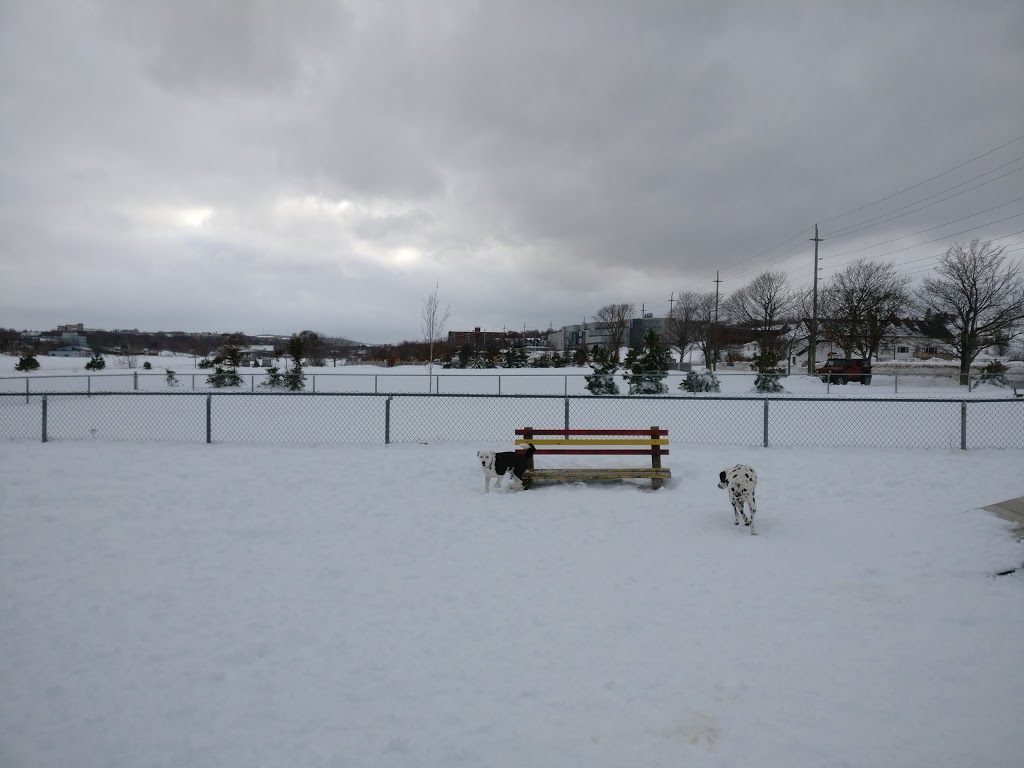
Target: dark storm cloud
x=323, y=164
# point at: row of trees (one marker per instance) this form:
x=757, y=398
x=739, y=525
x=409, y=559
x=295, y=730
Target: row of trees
x=975, y=297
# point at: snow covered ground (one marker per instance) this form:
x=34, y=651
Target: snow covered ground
x=221, y=606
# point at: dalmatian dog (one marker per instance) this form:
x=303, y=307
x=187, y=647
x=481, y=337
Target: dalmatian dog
x=741, y=480
x=497, y=464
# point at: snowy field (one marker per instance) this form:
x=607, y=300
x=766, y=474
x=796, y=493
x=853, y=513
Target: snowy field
x=245, y=606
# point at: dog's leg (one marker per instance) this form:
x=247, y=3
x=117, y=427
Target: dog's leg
x=736, y=513
x=487, y=483
x=738, y=508
x=753, y=511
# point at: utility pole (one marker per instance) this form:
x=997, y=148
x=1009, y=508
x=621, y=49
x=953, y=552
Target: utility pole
x=714, y=329
x=812, y=347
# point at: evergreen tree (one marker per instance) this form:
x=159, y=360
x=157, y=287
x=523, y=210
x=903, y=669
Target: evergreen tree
x=172, y=380
x=466, y=356
x=602, y=380
x=769, y=372
x=294, y=378
x=27, y=362
x=225, y=365
x=648, y=366
x=274, y=378
x=557, y=360
x=542, y=360
x=514, y=357
x=581, y=356
x=96, y=363
x=700, y=381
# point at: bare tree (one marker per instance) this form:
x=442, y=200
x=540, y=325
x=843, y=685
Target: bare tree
x=981, y=299
x=615, y=319
x=763, y=306
x=314, y=348
x=858, y=305
x=433, y=321
x=689, y=322
x=705, y=332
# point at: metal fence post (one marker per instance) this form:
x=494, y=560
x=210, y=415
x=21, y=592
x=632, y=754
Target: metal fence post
x=387, y=420
x=437, y=387
x=766, y=422
x=44, y=417
x=88, y=386
x=314, y=382
x=963, y=425
x=566, y=412
x=209, y=418
x=135, y=374
x=26, y=391
x=499, y=383
x=252, y=383
x=896, y=383
x=566, y=379
x=375, y=384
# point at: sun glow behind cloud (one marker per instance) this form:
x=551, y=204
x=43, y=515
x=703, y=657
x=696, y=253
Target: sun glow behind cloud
x=194, y=217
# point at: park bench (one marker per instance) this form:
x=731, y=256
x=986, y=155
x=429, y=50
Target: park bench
x=651, y=442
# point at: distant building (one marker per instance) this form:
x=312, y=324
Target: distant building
x=70, y=352
x=477, y=339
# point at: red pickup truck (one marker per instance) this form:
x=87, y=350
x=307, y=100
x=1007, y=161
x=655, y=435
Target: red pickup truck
x=843, y=370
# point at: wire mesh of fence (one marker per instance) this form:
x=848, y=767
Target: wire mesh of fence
x=20, y=417
x=307, y=418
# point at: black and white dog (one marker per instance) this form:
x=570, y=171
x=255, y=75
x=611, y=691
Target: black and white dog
x=496, y=464
x=741, y=480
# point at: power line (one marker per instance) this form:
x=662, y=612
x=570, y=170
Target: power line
x=844, y=232
x=936, y=240
x=933, y=178
x=937, y=226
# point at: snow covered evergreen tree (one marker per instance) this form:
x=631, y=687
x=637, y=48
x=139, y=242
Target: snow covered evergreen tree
x=274, y=378
x=648, y=366
x=27, y=362
x=769, y=373
x=96, y=363
x=514, y=357
x=294, y=378
x=700, y=381
x=602, y=380
x=225, y=365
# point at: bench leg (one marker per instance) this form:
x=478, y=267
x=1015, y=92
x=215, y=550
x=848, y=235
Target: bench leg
x=656, y=483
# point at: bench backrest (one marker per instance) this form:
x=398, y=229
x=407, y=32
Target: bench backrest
x=643, y=442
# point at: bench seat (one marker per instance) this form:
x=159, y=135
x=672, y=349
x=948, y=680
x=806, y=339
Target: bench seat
x=609, y=473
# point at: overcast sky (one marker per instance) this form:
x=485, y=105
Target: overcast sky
x=269, y=166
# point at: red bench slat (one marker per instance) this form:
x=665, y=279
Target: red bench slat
x=590, y=451
x=592, y=432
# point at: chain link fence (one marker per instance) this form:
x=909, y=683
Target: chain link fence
x=517, y=382
x=307, y=418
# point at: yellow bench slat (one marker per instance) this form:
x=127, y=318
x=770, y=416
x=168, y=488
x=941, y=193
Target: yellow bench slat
x=620, y=473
